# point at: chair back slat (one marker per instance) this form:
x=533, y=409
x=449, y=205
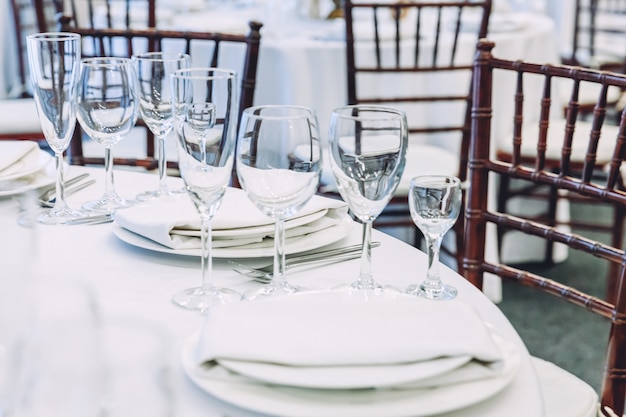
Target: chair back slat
x=480, y=211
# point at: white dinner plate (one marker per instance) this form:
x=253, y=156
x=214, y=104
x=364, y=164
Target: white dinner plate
x=28, y=165
x=257, y=250
x=41, y=177
x=345, y=377
x=285, y=401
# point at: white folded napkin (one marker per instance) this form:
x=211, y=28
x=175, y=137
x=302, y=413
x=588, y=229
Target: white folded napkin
x=237, y=222
x=14, y=153
x=335, y=329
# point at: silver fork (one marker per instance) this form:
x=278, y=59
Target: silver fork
x=47, y=193
x=49, y=203
x=264, y=273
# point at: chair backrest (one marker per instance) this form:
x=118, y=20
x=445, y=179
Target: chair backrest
x=29, y=17
x=118, y=14
x=416, y=42
x=599, y=35
x=491, y=74
x=207, y=49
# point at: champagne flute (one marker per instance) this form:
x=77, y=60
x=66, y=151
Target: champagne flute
x=367, y=147
x=155, y=105
x=434, y=202
x=205, y=120
x=278, y=164
x=107, y=111
x=54, y=67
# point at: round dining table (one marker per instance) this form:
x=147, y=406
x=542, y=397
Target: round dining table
x=138, y=282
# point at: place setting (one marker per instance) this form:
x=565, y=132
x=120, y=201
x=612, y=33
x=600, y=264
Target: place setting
x=339, y=354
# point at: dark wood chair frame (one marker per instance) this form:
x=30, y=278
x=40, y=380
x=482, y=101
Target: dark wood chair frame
x=397, y=212
x=478, y=215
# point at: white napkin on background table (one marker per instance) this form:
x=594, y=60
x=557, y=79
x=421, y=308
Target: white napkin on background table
x=316, y=330
x=14, y=152
x=237, y=222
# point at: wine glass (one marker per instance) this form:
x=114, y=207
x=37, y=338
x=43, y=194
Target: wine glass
x=205, y=121
x=54, y=67
x=107, y=111
x=434, y=202
x=367, y=146
x=155, y=105
x=278, y=165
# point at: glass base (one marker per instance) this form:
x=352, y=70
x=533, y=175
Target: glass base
x=199, y=299
x=271, y=291
x=60, y=216
x=108, y=204
x=371, y=287
x=441, y=292
x=160, y=195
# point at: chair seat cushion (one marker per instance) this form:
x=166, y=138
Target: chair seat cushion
x=420, y=160
x=530, y=135
x=19, y=116
x=564, y=394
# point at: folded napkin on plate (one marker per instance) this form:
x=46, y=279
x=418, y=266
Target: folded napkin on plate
x=14, y=152
x=330, y=329
x=237, y=222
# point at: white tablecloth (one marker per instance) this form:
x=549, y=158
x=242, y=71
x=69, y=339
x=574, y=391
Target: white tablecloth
x=140, y=283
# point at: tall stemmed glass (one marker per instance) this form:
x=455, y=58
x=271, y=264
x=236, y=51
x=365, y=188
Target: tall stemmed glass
x=278, y=165
x=367, y=147
x=154, y=70
x=434, y=202
x=205, y=120
x=54, y=67
x=107, y=111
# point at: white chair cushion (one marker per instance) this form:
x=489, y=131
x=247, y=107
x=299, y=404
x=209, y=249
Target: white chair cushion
x=420, y=160
x=556, y=129
x=564, y=394
x=19, y=116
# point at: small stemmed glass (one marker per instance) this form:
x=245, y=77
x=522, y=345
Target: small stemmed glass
x=434, y=202
x=205, y=121
x=54, y=67
x=154, y=70
x=367, y=147
x=278, y=164
x=107, y=111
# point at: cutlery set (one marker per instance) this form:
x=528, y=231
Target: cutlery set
x=264, y=273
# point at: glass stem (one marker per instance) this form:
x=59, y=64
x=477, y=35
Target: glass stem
x=433, y=280
x=207, y=260
x=279, y=253
x=162, y=164
x=59, y=202
x=366, y=278
x=109, y=186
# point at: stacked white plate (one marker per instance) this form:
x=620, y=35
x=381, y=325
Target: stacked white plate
x=334, y=353
x=23, y=167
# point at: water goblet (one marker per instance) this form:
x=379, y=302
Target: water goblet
x=278, y=165
x=434, y=202
x=107, y=111
x=205, y=121
x=367, y=154
x=54, y=67
x=154, y=70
